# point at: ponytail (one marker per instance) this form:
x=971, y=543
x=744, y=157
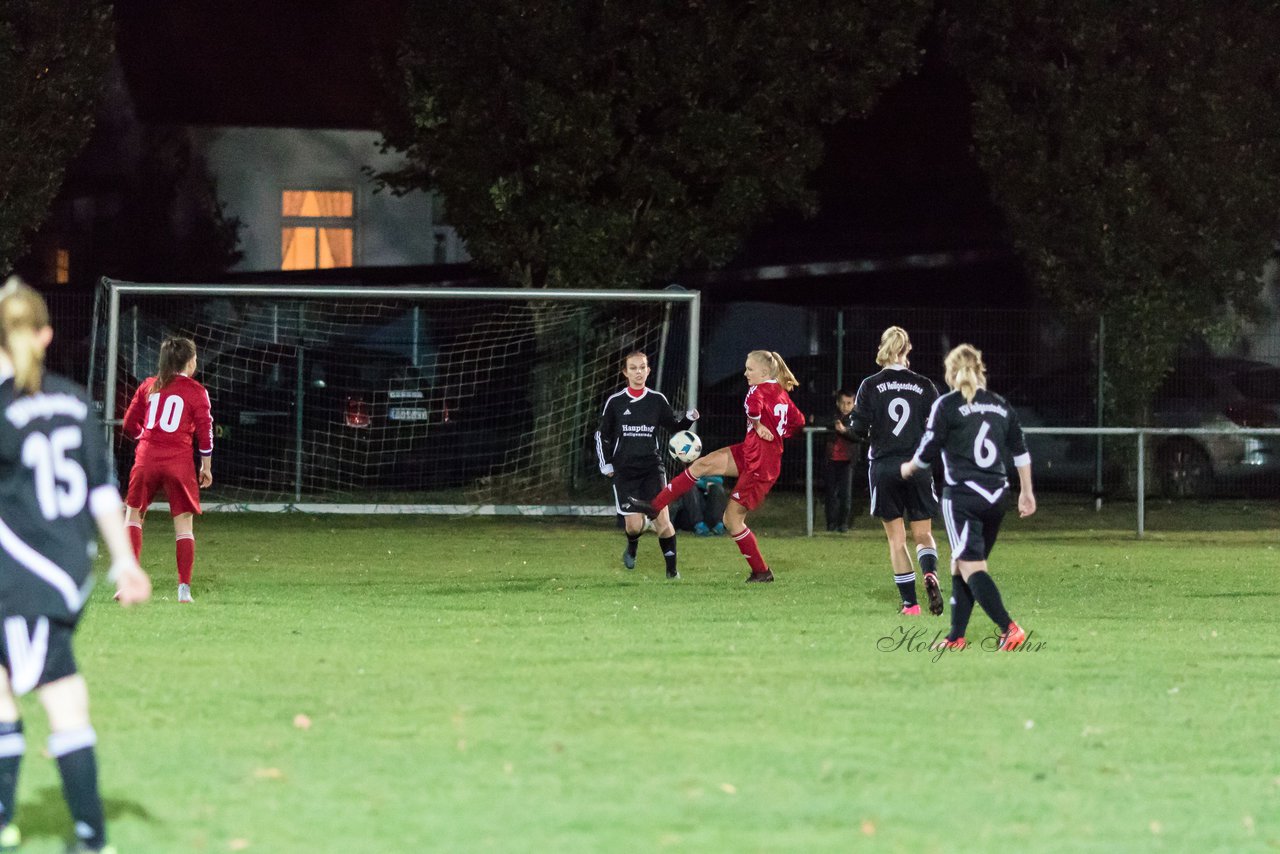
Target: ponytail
x=775, y=367
x=174, y=355
x=966, y=372
x=894, y=346
x=23, y=315
x=784, y=376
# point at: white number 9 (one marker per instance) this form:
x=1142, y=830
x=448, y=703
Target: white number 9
x=899, y=411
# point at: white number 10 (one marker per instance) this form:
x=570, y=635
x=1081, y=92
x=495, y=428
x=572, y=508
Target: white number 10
x=170, y=418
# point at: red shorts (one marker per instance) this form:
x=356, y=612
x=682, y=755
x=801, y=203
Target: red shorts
x=753, y=483
x=176, y=477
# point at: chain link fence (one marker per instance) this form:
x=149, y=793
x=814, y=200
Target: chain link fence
x=1199, y=443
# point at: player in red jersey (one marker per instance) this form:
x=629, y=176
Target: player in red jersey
x=168, y=414
x=756, y=461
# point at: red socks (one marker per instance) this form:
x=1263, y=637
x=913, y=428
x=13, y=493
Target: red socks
x=186, y=557
x=681, y=484
x=750, y=550
x=135, y=538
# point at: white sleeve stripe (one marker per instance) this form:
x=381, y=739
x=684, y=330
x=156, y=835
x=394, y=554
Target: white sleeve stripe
x=1022, y=460
x=41, y=567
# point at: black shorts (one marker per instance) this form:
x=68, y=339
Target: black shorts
x=973, y=522
x=895, y=498
x=644, y=485
x=36, y=651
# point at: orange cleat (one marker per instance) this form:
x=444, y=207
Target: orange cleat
x=911, y=610
x=1012, y=638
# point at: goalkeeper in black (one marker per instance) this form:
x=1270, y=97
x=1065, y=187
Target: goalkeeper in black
x=627, y=450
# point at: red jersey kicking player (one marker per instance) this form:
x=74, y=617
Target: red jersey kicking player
x=756, y=461
x=168, y=414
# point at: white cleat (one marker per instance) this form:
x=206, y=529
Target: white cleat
x=184, y=593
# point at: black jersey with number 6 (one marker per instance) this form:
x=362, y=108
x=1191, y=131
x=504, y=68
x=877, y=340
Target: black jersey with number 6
x=972, y=439
x=892, y=406
x=53, y=471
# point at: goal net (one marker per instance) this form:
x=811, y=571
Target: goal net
x=447, y=400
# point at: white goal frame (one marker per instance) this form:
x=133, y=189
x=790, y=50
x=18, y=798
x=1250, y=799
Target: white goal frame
x=114, y=289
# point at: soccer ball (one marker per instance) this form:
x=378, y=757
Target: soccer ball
x=685, y=446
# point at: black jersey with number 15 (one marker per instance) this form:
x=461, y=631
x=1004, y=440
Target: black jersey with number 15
x=972, y=439
x=892, y=407
x=53, y=472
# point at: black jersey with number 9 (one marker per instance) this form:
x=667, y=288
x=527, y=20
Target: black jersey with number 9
x=53, y=470
x=891, y=407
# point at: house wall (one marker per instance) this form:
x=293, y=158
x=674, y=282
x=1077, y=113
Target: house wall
x=253, y=165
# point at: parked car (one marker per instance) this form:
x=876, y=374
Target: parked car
x=1206, y=392
x=368, y=419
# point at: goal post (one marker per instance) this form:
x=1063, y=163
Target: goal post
x=459, y=401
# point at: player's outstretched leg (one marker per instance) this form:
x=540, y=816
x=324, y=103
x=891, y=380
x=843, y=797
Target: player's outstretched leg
x=639, y=505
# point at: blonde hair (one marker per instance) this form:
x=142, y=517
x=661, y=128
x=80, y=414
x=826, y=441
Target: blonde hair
x=23, y=315
x=966, y=372
x=895, y=344
x=775, y=367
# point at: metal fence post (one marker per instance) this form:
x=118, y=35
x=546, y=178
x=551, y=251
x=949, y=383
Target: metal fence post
x=1097, y=473
x=1142, y=483
x=808, y=481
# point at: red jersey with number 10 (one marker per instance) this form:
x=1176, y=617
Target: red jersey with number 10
x=168, y=423
x=770, y=404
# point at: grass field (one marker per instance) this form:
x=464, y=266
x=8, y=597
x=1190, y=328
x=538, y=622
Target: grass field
x=504, y=685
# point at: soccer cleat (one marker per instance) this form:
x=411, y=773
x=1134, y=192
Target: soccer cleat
x=628, y=559
x=911, y=610
x=184, y=593
x=673, y=573
x=946, y=643
x=1012, y=638
x=10, y=838
x=637, y=505
x=701, y=530
x=761, y=577
x=718, y=530
x=934, y=593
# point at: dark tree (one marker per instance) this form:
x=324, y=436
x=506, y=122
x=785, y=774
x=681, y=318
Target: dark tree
x=584, y=143
x=1135, y=149
x=53, y=55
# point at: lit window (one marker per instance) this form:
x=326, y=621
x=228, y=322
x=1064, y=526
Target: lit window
x=317, y=229
x=62, y=266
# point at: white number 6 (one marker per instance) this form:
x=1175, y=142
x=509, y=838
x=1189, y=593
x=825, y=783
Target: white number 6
x=984, y=450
